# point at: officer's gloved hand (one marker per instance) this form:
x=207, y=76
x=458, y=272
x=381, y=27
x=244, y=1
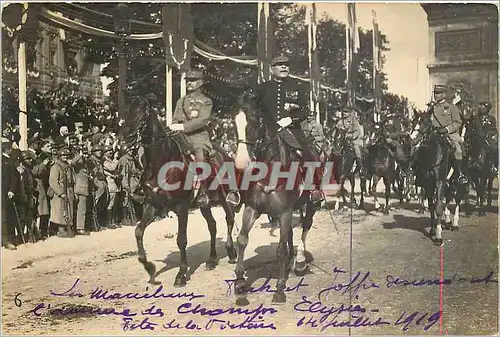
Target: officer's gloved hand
x=284, y=122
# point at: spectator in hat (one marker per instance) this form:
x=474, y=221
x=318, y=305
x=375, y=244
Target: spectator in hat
x=10, y=190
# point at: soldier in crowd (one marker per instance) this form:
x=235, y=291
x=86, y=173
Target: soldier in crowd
x=101, y=191
x=110, y=166
x=130, y=177
x=61, y=193
x=80, y=168
x=348, y=122
x=191, y=116
x=27, y=201
x=10, y=189
x=41, y=172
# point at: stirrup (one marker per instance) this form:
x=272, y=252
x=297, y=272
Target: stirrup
x=233, y=203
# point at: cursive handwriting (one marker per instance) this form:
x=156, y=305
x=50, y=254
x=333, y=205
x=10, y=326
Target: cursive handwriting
x=393, y=281
x=100, y=293
x=79, y=310
x=266, y=287
x=407, y=320
x=357, y=283
x=71, y=292
x=249, y=323
x=145, y=324
x=354, y=321
x=187, y=308
x=318, y=307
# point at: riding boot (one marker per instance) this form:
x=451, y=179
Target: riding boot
x=203, y=200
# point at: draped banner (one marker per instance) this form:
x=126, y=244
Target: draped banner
x=178, y=34
x=352, y=47
x=377, y=68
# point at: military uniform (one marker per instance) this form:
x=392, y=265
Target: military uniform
x=61, y=192
x=130, y=177
x=27, y=205
x=354, y=133
x=272, y=101
x=100, y=190
x=80, y=168
x=110, y=170
x=394, y=127
x=10, y=187
x=41, y=173
x=487, y=125
x=194, y=111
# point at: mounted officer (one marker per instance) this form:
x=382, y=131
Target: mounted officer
x=191, y=116
x=446, y=117
x=348, y=122
x=278, y=101
x=485, y=123
x=393, y=123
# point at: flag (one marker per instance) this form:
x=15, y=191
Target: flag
x=265, y=38
x=352, y=48
x=314, y=70
x=377, y=67
x=178, y=34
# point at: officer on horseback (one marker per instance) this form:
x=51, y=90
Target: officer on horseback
x=445, y=116
x=393, y=124
x=191, y=116
x=487, y=125
x=277, y=101
x=348, y=122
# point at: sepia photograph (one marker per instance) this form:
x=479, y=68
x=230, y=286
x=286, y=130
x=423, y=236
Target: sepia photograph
x=249, y=168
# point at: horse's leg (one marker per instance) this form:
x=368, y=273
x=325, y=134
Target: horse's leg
x=146, y=220
x=182, y=211
x=388, y=184
x=439, y=208
x=231, y=251
x=282, y=254
x=490, y=189
x=343, y=191
x=375, y=180
x=301, y=267
x=240, y=289
x=481, y=191
x=456, y=216
x=212, y=228
x=362, y=183
x=352, y=181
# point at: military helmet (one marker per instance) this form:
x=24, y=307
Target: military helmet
x=440, y=89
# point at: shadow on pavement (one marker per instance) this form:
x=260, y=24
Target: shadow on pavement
x=418, y=224
x=196, y=256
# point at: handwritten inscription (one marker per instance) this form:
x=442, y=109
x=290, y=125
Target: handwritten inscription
x=333, y=306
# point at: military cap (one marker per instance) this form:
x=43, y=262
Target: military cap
x=194, y=75
x=108, y=148
x=280, y=59
x=485, y=105
x=63, y=151
x=439, y=89
x=97, y=147
x=28, y=154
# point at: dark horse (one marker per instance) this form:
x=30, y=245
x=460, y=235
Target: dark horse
x=160, y=147
x=279, y=203
x=432, y=164
x=380, y=163
x=343, y=159
x=481, y=159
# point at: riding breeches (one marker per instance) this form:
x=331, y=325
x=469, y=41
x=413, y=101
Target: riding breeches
x=357, y=149
x=456, y=141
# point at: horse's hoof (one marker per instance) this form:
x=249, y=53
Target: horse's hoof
x=242, y=302
x=210, y=264
x=232, y=255
x=454, y=228
x=303, y=271
x=279, y=298
x=153, y=281
x=240, y=287
x=180, y=281
x=438, y=242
